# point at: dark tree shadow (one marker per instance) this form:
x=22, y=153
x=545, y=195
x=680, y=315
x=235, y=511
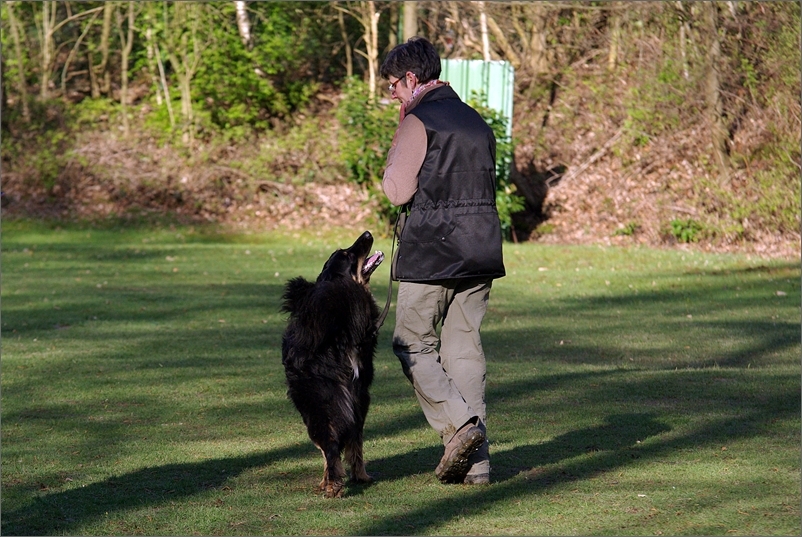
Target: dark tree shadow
x=65, y=512
x=617, y=445
x=620, y=434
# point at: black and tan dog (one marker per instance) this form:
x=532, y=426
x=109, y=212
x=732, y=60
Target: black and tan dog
x=327, y=352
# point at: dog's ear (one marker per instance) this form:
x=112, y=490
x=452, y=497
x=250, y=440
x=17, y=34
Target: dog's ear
x=337, y=266
x=295, y=292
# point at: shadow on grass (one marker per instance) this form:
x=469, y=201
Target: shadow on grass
x=613, y=447
x=64, y=512
x=734, y=318
x=134, y=221
x=230, y=351
x=143, y=303
x=621, y=433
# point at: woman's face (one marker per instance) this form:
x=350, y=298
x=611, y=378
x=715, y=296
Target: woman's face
x=401, y=88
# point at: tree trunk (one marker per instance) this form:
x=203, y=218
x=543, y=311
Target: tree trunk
x=483, y=28
x=537, y=42
x=461, y=45
x=373, y=48
x=167, y=100
x=615, y=35
x=410, y=20
x=65, y=69
x=94, y=85
x=683, y=38
x=244, y=25
x=150, y=47
x=184, y=52
x=152, y=63
x=22, y=87
x=368, y=17
x=395, y=26
x=48, y=48
x=108, y=9
x=715, y=104
x=127, y=43
x=509, y=53
x=349, y=58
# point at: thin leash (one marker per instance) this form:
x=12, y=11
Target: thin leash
x=399, y=221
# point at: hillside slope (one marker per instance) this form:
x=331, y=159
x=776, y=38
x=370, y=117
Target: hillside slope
x=593, y=173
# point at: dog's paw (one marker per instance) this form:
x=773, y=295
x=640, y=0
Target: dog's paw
x=335, y=489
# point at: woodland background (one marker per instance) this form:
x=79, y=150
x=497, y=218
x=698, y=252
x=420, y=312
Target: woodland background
x=657, y=123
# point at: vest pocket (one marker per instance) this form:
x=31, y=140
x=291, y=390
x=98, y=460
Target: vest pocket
x=428, y=227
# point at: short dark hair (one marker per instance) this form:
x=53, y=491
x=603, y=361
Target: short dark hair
x=417, y=55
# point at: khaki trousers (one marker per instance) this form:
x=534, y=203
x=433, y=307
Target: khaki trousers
x=447, y=371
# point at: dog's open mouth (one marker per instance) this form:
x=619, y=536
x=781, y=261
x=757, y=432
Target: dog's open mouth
x=371, y=263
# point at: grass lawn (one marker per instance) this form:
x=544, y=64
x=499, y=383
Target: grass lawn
x=630, y=392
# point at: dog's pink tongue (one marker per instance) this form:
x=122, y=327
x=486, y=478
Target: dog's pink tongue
x=372, y=262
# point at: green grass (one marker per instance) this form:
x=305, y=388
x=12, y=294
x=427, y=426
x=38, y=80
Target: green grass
x=630, y=392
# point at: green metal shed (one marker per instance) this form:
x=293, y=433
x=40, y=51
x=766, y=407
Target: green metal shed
x=494, y=79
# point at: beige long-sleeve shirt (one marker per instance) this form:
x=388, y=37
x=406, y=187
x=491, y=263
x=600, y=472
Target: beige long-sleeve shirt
x=404, y=161
x=406, y=155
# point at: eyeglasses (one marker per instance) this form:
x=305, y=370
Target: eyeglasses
x=409, y=75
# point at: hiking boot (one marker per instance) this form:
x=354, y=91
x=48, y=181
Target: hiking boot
x=454, y=465
x=476, y=479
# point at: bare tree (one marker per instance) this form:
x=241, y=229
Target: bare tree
x=164, y=84
x=74, y=50
x=349, y=54
x=184, y=44
x=467, y=44
x=392, y=35
x=507, y=50
x=372, y=44
x=152, y=68
x=715, y=104
x=483, y=27
x=19, y=61
x=520, y=30
x=108, y=10
x=127, y=43
x=684, y=31
x=410, y=20
x=537, y=41
x=46, y=29
x=614, y=23
x=243, y=24
x=47, y=45
x=368, y=16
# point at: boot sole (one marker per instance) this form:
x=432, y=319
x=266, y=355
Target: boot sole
x=456, y=467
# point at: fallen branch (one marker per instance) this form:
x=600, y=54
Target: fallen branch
x=679, y=209
x=573, y=174
x=281, y=188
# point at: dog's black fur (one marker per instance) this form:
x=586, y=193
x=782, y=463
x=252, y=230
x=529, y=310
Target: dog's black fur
x=327, y=352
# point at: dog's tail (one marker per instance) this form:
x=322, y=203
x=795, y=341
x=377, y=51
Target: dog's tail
x=295, y=292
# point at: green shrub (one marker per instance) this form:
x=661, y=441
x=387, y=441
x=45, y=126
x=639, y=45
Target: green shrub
x=686, y=230
x=507, y=201
x=244, y=88
x=628, y=230
x=368, y=128
x=42, y=150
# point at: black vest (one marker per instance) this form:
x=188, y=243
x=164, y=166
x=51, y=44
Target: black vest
x=452, y=230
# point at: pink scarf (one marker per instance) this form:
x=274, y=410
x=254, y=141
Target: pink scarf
x=415, y=93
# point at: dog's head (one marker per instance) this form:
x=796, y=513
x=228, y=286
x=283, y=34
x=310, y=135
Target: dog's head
x=353, y=262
